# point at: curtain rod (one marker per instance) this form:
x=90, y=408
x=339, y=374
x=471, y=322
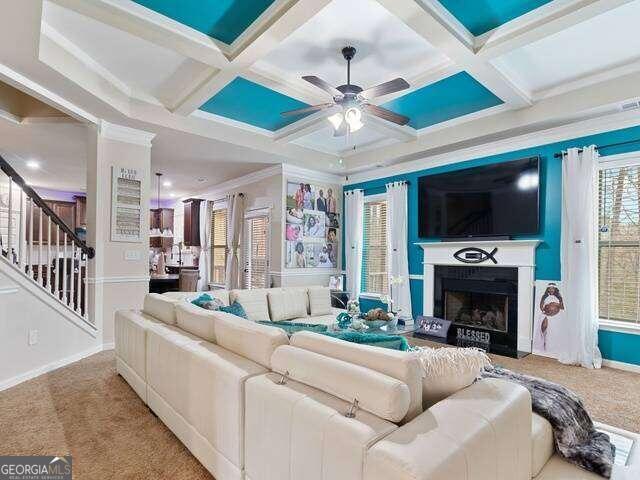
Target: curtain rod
x=610, y=145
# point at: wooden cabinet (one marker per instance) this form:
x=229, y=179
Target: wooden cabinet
x=162, y=219
x=65, y=210
x=81, y=211
x=192, y=222
x=73, y=214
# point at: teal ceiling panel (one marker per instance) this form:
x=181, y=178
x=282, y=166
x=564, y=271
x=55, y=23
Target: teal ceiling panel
x=223, y=20
x=438, y=102
x=480, y=16
x=251, y=103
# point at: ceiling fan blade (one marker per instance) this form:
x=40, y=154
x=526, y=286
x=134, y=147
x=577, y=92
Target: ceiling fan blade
x=386, y=114
x=342, y=130
x=385, y=88
x=313, y=108
x=318, y=82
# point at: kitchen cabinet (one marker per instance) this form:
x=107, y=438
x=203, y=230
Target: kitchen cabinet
x=162, y=219
x=192, y=222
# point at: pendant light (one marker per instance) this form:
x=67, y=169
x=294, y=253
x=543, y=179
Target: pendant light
x=155, y=232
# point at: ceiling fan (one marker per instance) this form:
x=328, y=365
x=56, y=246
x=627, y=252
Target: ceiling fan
x=353, y=100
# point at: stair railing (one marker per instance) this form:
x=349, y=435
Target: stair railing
x=40, y=245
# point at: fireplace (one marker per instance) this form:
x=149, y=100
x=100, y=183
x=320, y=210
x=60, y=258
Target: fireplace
x=481, y=303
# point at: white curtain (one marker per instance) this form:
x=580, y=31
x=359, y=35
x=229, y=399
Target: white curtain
x=397, y=248
x=578, y=342
x=205, y=246
x=354, y=213
x=235, y=216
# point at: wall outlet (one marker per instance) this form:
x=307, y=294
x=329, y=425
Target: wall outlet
x=132, y=255
x=33, y=337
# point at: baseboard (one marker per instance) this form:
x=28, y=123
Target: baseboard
x=629, y=367
x=108, y=346
x=50, y=367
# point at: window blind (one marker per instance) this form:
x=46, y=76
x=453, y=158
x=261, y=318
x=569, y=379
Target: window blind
x=374, y=257
x=619, y=243
x=218, y=245
x=256, y=252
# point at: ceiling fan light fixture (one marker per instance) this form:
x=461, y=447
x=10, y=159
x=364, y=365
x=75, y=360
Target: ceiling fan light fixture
x=353, y=117
x=336, y=120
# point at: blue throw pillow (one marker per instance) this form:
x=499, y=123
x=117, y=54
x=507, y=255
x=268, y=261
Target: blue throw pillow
x=234, y=309
x=205, y=297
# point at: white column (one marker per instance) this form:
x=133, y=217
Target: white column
x=118, y=274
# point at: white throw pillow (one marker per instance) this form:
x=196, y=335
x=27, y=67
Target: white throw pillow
x=320, y=301
x=449, y=370
x=286, y=304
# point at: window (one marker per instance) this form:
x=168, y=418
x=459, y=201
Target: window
x=374, y=256
x=218, y=245
x=619, y=242
x=256, y=252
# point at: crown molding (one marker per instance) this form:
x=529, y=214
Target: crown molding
x=124, y=134
x=224, y=187
x=583, y=128
x=300, y=172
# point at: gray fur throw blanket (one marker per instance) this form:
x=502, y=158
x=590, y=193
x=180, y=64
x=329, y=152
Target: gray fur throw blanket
x=575, y=436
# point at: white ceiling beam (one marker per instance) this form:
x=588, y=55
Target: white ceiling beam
x=541, y=23
x=389, y=129
x=306, y=126
x=266, y=33
x=427, y=20
x=10, y=117
x=137, y=20
x=557, y=109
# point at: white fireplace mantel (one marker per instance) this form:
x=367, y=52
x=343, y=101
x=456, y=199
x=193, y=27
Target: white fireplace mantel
x=520, y=254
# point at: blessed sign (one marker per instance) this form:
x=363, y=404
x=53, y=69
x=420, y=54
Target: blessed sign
x=126, y=197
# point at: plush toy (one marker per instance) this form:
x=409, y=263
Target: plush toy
x=377, y=314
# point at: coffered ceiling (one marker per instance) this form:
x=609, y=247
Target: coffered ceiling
x=224, y=70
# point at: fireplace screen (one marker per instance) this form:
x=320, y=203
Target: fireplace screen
x=481, y=310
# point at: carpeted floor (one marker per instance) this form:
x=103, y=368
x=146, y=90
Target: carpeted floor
x=88, y=411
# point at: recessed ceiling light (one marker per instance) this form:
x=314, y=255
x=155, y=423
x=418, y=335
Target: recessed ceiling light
x=166, y=183
x=33, y=165
x=172, y=195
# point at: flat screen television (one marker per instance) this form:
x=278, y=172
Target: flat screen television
x=489, y=201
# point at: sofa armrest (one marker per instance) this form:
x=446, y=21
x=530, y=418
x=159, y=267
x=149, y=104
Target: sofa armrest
x=481, y=432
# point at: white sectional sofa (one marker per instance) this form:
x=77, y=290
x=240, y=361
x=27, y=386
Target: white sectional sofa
x=251, y=403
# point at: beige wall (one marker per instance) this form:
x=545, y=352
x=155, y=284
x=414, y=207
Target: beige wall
x=118, y=275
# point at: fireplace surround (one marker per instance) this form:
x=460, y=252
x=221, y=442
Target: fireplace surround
x=479, y=299
x=518, y=256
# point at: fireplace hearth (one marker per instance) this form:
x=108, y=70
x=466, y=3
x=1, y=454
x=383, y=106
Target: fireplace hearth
x=482, y=303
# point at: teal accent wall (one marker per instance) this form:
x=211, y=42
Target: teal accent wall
x=615, y=345
x=621, y=347
x=251, y=103
x=451, y=97
x=485, y=15
x=223, y=20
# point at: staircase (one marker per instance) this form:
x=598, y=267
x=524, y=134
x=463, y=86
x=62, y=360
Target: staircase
x=38, y=245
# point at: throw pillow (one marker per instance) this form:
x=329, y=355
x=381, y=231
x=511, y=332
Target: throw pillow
x=198, y=301
x=320, y=301
x=287, y=304
x=449, y=370
x=234, y=309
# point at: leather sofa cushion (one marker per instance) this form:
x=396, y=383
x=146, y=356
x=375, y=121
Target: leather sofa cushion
x=196, y=320
x=382, y=395
x=403, y=366
x=222, y=295
x=297, y=432
x=254, y=303
x=251, y=340
x=320, y=301
x=479, y=433
x=160, y=307
x=286, y=304
x=130, y=329
x=204, y=384
x=542, y=443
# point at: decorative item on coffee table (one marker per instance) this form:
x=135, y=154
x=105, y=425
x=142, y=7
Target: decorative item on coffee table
x=377, y=318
